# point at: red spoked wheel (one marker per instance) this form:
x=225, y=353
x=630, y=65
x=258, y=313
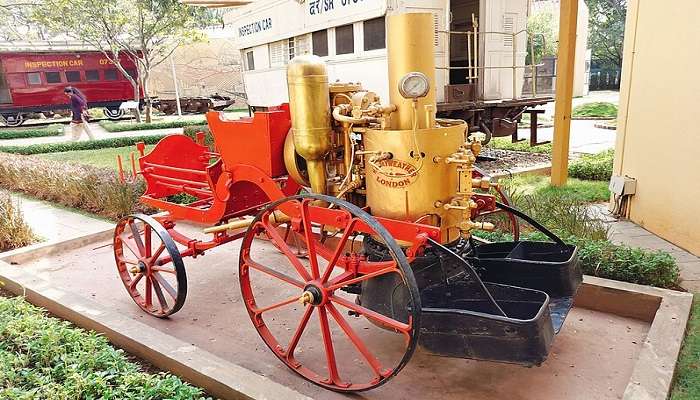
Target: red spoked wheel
x=150, y=265
x=336, y=318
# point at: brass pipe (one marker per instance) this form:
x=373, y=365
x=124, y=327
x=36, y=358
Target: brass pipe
x=309, y=106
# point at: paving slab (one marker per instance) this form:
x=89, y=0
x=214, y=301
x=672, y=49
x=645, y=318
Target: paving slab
x=53, y=223
x=592, y=358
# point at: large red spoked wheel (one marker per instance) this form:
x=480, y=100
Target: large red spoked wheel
x=150, y=265
x=308, y=310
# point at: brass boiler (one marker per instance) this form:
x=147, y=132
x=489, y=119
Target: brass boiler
x=416, y=182
x=307, y=82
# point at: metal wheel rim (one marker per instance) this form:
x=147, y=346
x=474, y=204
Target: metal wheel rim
x=159, y=286
x=401, y=263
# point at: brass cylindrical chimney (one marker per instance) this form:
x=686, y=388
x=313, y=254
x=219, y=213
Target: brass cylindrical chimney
x=411, y=48
x=307, y=82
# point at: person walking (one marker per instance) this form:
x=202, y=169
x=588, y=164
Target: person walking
x=78, y=106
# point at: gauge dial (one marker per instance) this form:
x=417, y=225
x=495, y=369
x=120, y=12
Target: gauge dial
x=414, y=85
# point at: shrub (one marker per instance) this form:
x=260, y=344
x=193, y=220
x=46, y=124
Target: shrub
x=593, y=166
x=45, y=358
x=86, y=145
x=97, y=190
x=51, y=130
x=14, y=232
x=111, y=126
x=506, y=144
x=599, y=109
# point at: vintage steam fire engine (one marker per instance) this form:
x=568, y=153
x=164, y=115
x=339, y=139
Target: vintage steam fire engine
x=356, y=219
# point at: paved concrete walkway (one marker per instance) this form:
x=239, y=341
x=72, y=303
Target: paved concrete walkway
x=631, y=234
x=54, y=223
x=585, y=137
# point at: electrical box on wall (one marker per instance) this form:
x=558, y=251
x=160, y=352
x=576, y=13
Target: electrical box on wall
x=623, y=185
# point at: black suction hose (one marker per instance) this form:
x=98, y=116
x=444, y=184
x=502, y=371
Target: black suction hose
x=532, y=222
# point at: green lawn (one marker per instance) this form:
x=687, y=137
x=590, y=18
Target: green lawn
x=42, y=357
x=599, y=109
x=687, y=384
x=98, y=158
x=577, y=189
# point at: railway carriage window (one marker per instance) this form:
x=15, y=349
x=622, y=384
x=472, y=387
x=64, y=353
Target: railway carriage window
x=249, y=61
x=92, y=75
x=34, y=78
x=131, y=72
x=374, y=34
x=111, y=74
x=53, y=77
x=344, y=40
x=290, y=48
x=73, y=76
x=319, y=42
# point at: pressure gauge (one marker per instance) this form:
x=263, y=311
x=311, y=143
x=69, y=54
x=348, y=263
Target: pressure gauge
x=414, y=85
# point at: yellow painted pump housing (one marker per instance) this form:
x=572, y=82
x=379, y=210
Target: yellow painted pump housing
x=398, y=159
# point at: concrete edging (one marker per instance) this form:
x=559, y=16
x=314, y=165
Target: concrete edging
x=667, y=310
x=199, y=367
x=52, y=247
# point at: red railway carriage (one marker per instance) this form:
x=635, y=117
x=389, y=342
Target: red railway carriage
x=33, y=81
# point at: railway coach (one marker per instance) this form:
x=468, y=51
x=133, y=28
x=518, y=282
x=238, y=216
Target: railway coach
x=480, y=52
x=33, y=82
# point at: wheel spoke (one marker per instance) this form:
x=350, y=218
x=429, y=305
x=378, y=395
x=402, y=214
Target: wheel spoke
x=382, y=319
x=149, y=292
x=167, y=286
x=129, y=245
x=284, y=248
x=276, y=305
x=328, y=345
x=135, y=281
x=339, y=250
x=362, y=278
x=159, y=295
x=158, y=252
x=165, y=270
x=283, y=277
x=127, y=261
x=356, y=341
x=147, y=233
x=300, y=330
x=310, y=240
x=136, y=234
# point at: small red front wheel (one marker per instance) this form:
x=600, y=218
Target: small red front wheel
x=338, y=318
x=150, y=265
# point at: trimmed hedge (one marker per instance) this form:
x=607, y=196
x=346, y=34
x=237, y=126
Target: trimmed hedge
x=111, y=126
x=51, y=130
x=192, y=130
x=96, y=190
x=82, y=145
x=597, y=167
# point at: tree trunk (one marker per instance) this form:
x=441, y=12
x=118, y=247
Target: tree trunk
x=137, y=99
x=147, y=97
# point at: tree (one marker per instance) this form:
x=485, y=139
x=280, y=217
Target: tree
x=148, y=31
x=543, y=28
x=606, y=30
x=15, y=24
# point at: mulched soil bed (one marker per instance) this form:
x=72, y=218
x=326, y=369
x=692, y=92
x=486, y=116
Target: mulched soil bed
x=509, y=160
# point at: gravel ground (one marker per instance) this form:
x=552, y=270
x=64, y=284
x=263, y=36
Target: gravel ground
x=508, y=160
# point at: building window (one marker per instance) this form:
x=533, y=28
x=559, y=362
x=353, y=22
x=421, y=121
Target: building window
x=53, y=77
x=344, y=40
x=290, y=48
x=34, y=78
x=73, y=76
x=92, y=75
x=319, y=42
x=374, y=34
x=111, y=74
x=249, y=61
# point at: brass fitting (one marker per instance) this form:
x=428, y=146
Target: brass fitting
x=306, y=298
